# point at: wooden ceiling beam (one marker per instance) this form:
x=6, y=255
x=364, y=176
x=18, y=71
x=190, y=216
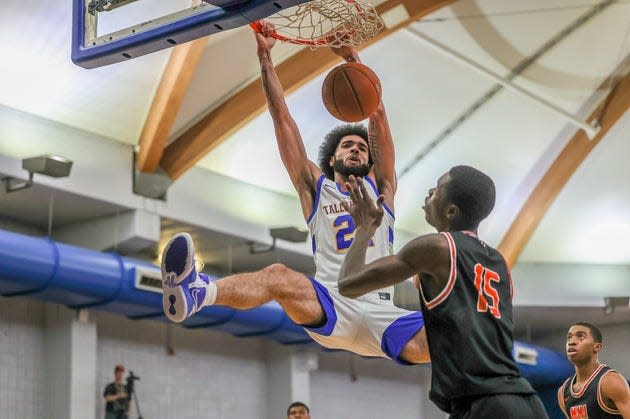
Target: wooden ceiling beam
x=167, y=101
x=561, y=170
x=238, y=110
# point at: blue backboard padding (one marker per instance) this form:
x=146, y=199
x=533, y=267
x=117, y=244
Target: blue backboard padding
x=259, y=9
x=211, y=21
x=225, y=3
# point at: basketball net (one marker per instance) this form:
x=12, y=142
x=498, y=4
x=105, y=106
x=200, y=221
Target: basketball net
x=319, y=23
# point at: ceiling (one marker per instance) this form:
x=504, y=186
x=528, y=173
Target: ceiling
x=441, y=111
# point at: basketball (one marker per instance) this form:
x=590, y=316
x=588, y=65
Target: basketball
x=351, y=92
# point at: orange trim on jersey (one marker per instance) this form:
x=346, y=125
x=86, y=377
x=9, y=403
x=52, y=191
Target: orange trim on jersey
x=509, y=271
x=600, y=401
x=511, y=283
x=586, y=384
x=451, y=278
x=561, y=400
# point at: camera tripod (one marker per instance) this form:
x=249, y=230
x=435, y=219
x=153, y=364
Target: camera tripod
x=132, y=393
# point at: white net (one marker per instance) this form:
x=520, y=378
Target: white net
x=327, y=23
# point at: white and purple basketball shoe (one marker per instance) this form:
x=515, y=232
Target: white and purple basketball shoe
x=184, y=289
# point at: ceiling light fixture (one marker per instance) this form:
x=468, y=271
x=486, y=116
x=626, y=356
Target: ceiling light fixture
x=611, y=303
x=291, y=234
x=48, y=165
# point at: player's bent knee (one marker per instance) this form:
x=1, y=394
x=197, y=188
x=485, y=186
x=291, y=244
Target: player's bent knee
x=280, y=277
x=415, y=354
x=277, y=271
x=417, y=349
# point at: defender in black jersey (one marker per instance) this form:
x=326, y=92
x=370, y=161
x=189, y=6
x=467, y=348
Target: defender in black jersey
x=466, y=295
x=596, y=391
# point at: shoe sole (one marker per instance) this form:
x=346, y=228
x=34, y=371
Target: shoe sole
x=174, y=301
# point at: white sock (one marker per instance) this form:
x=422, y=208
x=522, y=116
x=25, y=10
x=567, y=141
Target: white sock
x=211, y=294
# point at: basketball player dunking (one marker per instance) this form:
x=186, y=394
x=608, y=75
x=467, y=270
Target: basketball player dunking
x=596, y=391
x=466, y=296
x=370, y=326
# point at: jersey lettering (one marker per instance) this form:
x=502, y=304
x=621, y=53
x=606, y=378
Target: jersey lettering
x=483, y=282
x=579, y=412
x=344, y=224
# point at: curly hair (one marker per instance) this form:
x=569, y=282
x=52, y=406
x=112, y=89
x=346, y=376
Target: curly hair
x=328, y=147
x=473, y=192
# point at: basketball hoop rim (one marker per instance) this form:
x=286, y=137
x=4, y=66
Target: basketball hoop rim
x=317, y=42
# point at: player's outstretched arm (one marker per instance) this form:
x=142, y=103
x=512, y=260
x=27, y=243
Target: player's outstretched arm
x=303, y=172
x=427, y=254
x=383, y=154
x=420, y=255
x=615, y=388
x=380, y=140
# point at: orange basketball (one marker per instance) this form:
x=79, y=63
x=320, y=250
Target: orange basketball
x=351, y=92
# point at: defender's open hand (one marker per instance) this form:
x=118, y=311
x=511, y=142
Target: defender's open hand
x=366, y=213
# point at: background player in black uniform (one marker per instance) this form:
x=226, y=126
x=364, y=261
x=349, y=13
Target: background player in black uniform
x=596, y=390
x=466, y=295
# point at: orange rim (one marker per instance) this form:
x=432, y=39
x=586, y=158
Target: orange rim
x=318, y=42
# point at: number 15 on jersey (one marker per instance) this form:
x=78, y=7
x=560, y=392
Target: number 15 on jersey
x=484, y=278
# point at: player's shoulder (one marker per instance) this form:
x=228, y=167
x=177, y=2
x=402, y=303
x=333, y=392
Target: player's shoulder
x=612, y=377
x=309, y=178
x=431, y=242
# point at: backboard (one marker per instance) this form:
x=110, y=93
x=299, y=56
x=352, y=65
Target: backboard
x=94, y=47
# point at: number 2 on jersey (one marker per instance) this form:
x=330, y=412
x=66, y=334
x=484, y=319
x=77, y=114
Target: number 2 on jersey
x=345, y=232
x=483, y=282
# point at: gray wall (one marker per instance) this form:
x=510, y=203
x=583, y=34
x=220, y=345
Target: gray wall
x=215, y=375
x=209, y=374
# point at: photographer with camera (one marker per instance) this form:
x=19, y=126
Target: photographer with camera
x=117, y=396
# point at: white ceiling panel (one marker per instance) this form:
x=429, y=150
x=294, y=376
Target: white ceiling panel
x=588, y=222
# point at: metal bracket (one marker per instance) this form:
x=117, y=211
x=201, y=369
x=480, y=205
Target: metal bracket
x=10, y=184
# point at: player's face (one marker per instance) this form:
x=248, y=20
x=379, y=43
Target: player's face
x=581, y=346
x=435, y=205
x=351, y=157
x=298, y=412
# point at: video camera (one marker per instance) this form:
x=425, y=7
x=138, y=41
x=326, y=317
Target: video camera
x=131, y=379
